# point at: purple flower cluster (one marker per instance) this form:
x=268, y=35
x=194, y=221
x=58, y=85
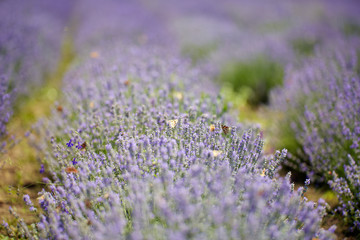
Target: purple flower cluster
x=348, y=190
x=322, y=105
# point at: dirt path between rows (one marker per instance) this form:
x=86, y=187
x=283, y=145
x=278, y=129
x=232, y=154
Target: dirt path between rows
x=20, y=173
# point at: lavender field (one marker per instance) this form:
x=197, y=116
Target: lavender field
x=204, y=119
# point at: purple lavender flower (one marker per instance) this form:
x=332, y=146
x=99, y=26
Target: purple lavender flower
x=78, y=146
x=29, y=203
x=70, y=144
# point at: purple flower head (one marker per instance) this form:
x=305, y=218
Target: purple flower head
x=29, y=203
x=70, y=144
x=27, y=200
x=78, y=145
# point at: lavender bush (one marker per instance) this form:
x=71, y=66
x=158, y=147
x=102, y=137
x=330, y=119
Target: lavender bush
x=322, y=104
x=135, y=151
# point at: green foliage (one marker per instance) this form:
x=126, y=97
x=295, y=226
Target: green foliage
x=351, y=28
x=285, y=137
x=256, y=77
x=273, y=26
x=357, y=68
x=303, y=46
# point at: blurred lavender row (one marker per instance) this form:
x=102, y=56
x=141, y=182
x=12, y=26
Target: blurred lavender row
x=237, y=31
x=30, y=43
x=248, y=43
x=129, y=22
x=219, y=33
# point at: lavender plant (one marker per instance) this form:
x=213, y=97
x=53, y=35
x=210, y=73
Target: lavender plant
x=322, y=103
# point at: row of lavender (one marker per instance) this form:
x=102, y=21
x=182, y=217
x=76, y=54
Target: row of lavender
x=135, y=151
x=321, y=99
x=30, y=42
x=220, y=34
x=235, y=30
